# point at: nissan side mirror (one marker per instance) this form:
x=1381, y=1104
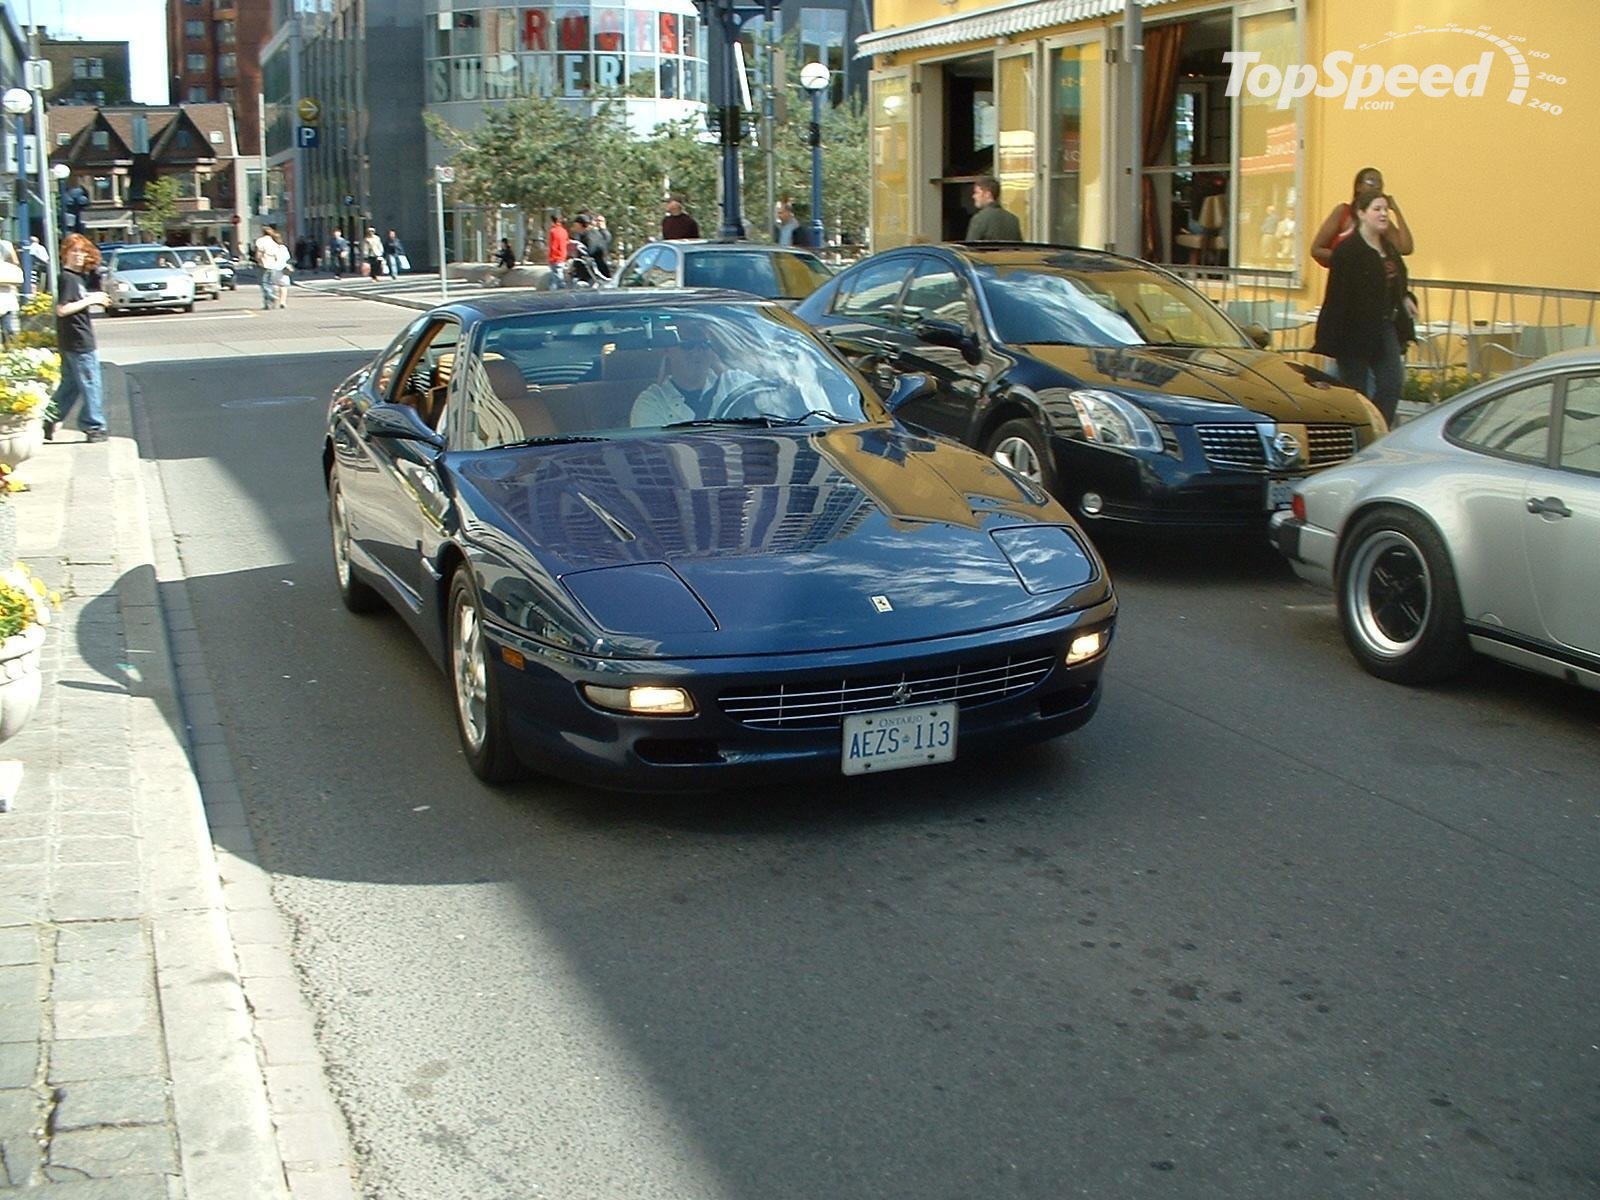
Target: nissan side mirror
x=1259, y=335
x=947, y=333
x=400, y=422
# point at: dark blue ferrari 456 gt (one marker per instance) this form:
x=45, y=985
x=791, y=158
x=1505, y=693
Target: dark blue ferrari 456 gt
x=668, y=540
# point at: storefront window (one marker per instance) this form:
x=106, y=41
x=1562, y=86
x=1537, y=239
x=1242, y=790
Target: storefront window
x=1077, y=199
x=891, y=157
x=1016, y=158
x=1267, y=231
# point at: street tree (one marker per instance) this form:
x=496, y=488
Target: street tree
x=160, y=206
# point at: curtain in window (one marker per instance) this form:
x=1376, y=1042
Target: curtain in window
x=1163, y=47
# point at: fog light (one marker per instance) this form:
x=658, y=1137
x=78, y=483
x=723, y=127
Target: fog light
x=1085, y=646
x=1091, y=503
x=647, y=701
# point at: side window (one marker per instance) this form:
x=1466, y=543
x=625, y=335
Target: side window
x=663, y=269
x=1580, y=426
x=634, y=275
x=389, y=366
x=1514, y=425
x=871, y=295
x=937, y=292
x=721, y=269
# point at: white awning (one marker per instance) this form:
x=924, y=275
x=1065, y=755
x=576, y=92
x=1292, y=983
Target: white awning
x=1019, y=16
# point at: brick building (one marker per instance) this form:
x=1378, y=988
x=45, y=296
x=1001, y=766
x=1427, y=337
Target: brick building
x=86, y=72
x=214, y=54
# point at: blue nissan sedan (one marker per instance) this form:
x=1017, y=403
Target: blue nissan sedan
x=669, y=541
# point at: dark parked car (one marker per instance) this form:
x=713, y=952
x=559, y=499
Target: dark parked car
x=671, y=542
x=1110, y=382
x=771, y=272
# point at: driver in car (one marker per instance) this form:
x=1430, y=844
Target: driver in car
x=694, y=387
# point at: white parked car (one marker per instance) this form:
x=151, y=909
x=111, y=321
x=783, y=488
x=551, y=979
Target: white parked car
x=148, y=277
x=1474, y=527
x=197, y=260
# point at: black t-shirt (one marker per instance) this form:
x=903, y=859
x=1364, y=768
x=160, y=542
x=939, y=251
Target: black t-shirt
x=74, y=334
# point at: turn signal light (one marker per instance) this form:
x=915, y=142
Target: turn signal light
x=1085, y=646
x=1297, y=505
x=645, y=701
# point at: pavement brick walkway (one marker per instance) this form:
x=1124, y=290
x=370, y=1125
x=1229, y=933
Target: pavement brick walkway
x=130, y=1062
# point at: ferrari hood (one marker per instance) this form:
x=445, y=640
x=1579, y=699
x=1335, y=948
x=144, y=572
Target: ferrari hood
x=1278, y=388
x=799, y=539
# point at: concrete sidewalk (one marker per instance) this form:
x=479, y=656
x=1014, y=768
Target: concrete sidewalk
x=152, y=1042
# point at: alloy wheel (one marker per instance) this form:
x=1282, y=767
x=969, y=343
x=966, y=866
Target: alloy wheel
x=1016, y=453
x=341, y=539
x=470, y=672
x=1389, y=592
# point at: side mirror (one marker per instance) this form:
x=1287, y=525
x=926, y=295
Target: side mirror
x=1259, y=335
x=908, y=388
x=947, y=333
x=400, y=422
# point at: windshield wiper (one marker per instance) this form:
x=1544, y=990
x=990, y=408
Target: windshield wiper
x=551, y=439
x=765, y=420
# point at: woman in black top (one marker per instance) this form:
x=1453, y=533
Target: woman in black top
x=1367, y=316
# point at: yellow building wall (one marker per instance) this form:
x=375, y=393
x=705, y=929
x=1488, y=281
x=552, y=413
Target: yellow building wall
x=1494, y=191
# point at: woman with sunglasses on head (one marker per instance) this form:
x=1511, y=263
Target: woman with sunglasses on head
x=1341, y=222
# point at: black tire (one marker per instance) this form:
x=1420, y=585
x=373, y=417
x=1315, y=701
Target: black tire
x=1006, y=445
x=357, y=596
x=480, y=714
x=189, y=307
x=1399, y=605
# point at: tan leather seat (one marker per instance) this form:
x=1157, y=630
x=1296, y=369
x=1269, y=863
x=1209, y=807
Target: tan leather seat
x=509, y=386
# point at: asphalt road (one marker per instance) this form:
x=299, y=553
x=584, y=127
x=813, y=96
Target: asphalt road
x=1267, y=927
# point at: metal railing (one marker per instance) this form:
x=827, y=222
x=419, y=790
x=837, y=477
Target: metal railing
x=1466, y=330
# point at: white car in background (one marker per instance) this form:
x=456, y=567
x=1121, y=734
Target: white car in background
x=197, y=260
x=147, y=277
x=1474, y=527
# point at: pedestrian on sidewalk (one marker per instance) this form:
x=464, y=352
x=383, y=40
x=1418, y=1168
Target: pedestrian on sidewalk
x=338, y=247
x=80, y=362
x=556, y=244
x=372, y=248
x=10, y=281
x=39, y=257
x=991, y=223
x=678, y=223
x=1367, y=315
x=272, y=256
x=394, y=250
x=506, y=257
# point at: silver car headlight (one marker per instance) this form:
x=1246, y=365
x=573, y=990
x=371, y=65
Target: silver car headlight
x=1113, y=421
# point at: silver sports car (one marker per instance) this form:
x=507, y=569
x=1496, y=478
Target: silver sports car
x=1473, y=527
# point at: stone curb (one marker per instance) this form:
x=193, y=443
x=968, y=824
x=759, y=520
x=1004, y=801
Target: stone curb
x=220, y=978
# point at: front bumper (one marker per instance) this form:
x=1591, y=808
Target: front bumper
x=166, y=299
x=1170, y=491
x=557, y=733
x=1310, y=549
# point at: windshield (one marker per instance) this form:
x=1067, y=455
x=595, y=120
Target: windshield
x=601, y=372
x=197, y=256
x=1110, y=305
x=144, y=260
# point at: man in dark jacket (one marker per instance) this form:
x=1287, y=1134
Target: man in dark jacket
x=991, y=223
x=677, y=223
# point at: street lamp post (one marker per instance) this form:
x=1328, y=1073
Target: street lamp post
x=815, y=77
x=19, y=103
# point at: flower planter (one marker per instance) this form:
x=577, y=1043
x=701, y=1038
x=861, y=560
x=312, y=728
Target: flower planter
x=20, y=681
x=20, y=438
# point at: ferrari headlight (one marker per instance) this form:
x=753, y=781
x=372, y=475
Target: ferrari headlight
x=643, y=701
x=1085, y=646
x=1112, y=421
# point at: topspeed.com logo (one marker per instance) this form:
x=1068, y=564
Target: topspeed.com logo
x=1341, y=75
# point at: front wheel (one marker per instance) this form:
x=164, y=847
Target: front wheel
x=480, y=715
x=1398, y=601
x=1018, y=444
x=189, y=307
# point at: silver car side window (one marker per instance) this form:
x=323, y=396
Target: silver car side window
x=1513, y=425
x=1580, y=426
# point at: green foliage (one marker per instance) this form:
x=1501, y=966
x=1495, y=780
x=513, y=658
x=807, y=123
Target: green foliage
x=1432, y=387
x=160, y=205
x=541, y=154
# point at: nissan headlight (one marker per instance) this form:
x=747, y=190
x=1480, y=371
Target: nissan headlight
x=1112, y=421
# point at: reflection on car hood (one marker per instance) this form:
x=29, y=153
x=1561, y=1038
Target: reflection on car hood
x=1278, y=388
x=785, y=537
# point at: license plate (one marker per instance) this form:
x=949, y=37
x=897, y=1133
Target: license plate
x=901, y=737
x=1280, y=493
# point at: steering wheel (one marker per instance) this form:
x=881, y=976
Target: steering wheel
x=730, y=404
